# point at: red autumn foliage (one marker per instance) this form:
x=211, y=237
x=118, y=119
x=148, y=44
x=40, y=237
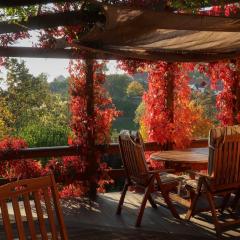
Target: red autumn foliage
x=72, y=171
x=157, y=117
x=20, y=169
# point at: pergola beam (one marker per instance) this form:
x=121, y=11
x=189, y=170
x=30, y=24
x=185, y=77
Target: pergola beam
x=50, y=20
x=83, y=53
x=73, y=18
x=18, y=3
x=33, y=52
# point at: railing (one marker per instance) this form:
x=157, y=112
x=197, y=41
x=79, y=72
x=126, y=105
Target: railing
x=60, y=151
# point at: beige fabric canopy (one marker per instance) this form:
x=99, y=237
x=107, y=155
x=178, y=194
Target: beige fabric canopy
x=149, y=35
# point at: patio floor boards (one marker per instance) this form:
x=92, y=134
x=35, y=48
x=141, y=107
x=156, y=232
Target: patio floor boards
x=99, y=221
x=95, y=221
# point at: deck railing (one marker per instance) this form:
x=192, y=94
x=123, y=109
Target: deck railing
x=61, y=151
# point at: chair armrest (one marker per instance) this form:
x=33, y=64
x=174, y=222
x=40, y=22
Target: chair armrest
x=162, y=171
x=197, y=174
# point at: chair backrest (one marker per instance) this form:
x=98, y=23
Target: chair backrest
x=132, y=153
x=224, y=156
x=33, y=193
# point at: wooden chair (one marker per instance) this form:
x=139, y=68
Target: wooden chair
x=138, y=174
x=40, y=190
x=223, y=176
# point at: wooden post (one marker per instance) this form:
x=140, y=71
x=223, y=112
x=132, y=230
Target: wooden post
x=170, y=95
x=236, y=92
x=92, y=163
x=170, y=92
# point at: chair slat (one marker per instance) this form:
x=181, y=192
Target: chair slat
x=237, y=169
x=25, y=188
x=223, y=164
x=234, y=162
x=6, y=220
x=137, y=173
x=224, y=176
x=29, y=216
x=18, y=218
x=229, y=162
x=59, y=213
x=50, y=214
x=39, y=211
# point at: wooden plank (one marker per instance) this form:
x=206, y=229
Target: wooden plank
x=33, y=52
x=29, y=216
x=112, y=148
x=6, y=220
x=40, y=216
x=19, y=3
x=170, y=91
x=50, y=20
x=91, y=151
x=18, y=218
x=50, y=214
x=181, y=156
x=58, y=209
x=164, y=55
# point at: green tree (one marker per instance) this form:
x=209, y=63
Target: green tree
x=60, y=86
x=26, y=95
x=40, y=116
x=135, y=89
x=116, y=85
x=6, y=119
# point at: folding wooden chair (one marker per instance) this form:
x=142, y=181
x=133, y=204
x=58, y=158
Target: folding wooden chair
x=223, y=176
x=138, y=174
x=41, y=190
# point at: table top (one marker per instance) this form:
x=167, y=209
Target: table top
x=190, y=155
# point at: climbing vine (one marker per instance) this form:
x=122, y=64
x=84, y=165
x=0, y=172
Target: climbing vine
x=71, y=171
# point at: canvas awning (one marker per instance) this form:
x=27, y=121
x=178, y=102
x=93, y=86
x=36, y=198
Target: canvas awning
x=149, y=35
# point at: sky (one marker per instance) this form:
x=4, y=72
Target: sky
x=53, y=67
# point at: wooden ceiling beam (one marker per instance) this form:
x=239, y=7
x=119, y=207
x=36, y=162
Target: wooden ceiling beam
x=50, y=20
x=85, y=52
x=19, y=3
x=31, y=52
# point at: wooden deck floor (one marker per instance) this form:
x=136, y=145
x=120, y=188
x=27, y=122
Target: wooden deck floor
x=98, y=220
x=156, y=224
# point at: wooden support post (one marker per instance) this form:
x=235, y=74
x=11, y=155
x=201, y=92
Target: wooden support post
x=236, y=92
x=170, y=95
x=92, y=163
x=170, y=91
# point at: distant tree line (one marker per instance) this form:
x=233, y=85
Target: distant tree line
x=31, y=109
x=37, y=110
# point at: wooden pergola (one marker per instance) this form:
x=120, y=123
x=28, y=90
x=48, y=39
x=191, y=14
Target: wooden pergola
x=127, y=33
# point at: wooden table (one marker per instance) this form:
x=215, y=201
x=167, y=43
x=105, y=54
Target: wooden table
x=180, y=160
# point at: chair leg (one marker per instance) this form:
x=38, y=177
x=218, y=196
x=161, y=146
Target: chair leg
x=152, y=202
x=170, y=204
x=236, y=200
x=143, y=204
x=225, y=202
x=121, y=201
x=190, y=212
x=214, y=214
